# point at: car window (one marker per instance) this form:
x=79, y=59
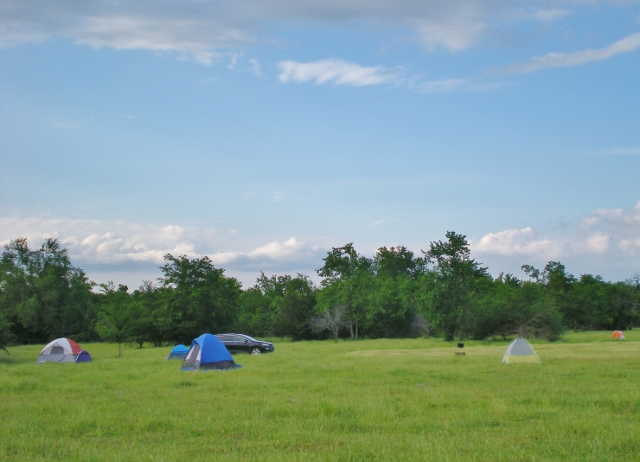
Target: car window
x=224, y=338
x=239, y=339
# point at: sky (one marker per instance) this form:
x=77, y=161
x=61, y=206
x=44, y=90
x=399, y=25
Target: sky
x=262, y=134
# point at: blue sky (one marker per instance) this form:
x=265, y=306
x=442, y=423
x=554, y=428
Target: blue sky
x=262, y=134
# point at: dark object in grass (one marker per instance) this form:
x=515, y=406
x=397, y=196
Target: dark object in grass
x=241, y=343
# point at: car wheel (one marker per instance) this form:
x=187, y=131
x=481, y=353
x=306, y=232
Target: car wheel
x=256, y=351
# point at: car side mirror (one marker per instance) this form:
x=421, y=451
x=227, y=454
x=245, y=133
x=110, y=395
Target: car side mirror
x=246, y=341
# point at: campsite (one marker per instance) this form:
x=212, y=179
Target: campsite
x=355, y=400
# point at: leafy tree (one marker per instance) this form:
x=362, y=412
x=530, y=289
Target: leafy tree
x=395, y=262
x=259, y=309
x=199, y=298
x=295, y=308
x=510, y=308
x=43, y=295
x=147, y=303
x=347, y=277
x=395, y=274
x=456, y=276
x=624, y=299
x=116, y=317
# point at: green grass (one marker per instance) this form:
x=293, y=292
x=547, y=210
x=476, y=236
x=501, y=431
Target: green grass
x=365, y=400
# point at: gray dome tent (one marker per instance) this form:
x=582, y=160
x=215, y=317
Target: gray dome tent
x=520, y=351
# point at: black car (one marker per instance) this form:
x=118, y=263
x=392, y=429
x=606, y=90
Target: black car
x=240, y=343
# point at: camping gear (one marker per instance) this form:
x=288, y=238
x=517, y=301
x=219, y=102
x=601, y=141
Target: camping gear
x=63, y=350
x=208, y=352
x=617, y=334
x=178, y=352
x=520, y=351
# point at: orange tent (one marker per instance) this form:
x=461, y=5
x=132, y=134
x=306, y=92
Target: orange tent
x=617, y=334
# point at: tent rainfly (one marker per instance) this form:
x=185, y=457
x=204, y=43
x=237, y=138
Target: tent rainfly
x=63, y=350
x=520, y=351
x=208, y=352
x=617, y=334
x=178, y=352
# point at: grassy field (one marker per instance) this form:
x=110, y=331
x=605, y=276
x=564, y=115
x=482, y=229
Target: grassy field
x=365, y=400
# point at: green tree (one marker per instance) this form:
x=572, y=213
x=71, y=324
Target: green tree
x=116, y=317
x=147, y=303
x=347, y=279
x=510, y=308
x=456, y=277
x=198, y=298
x=43, y=295
x=396, y=271
x=295, y=308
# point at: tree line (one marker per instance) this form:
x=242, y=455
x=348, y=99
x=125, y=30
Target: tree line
x=395, y=293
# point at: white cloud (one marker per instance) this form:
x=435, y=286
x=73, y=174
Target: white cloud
x=622, y=220
x=598, y=243
x=336, y=71
x=519, y=242
x=123, y=244
x=626, y=45
x=603, y=232
x=526, y=242
x=340, y=72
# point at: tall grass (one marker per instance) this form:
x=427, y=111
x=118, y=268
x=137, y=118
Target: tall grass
x=365, y=400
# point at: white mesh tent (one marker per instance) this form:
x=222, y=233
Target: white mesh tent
x=520, y=351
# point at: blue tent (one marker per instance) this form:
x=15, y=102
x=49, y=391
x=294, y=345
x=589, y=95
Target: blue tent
x=178, y=352
x=207, y=352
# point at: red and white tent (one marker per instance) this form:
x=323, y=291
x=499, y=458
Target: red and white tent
x=617, y=334
x=63, y=350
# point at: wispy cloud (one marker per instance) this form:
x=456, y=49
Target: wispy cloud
x=378, y=223
x=201, y=29
x=455, y=32
x=338, y=72
x=632, y=151
x=64, y=124
x=277, y=196
x=547, y=14
x=255, y=67
x=576, y=58
x=453, y=85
